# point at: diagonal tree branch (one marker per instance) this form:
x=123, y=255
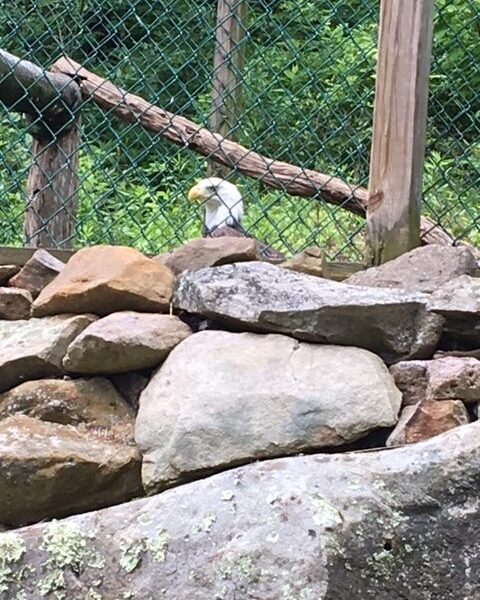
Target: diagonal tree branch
x=183, y=132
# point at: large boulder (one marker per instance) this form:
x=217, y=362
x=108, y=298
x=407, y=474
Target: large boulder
x=421, y=270
x=256, y=296
x=458, y=301
x=106, y=279
x=385, y=525
x=50, y=470
x=35, y=348
x=209, y=252
x=125, y=341
x=222, y=399
x=37, y=272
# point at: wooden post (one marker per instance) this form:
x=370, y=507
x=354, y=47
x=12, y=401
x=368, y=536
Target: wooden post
x=49, y=99
x=50, y=102
x=51, y=210
x=399, y=128
x=228, y=64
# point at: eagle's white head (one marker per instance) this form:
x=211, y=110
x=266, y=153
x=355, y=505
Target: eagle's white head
x=223, y=202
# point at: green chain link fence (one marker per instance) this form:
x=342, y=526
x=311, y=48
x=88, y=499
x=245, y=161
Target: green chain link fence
x=308, y=90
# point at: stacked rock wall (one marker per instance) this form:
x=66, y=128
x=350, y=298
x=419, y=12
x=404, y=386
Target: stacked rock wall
x=123, y=376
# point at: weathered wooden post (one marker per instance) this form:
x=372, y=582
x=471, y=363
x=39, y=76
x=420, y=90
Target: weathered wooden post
x=50, y=102
x=399, y=128
x=51, y=211
x=228, y=64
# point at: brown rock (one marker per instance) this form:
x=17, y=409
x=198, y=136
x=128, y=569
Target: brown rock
x=421, y=270
x=411, y=379
x=38, y=272
x=6, y=272
x=448, y=378
x=91, y=402
x=15, y=303
x=454, y=378
x=125, y=341
x=49, y=470
x=35, y=348
x=106, y=279
x=311, y=262
x=427, y=419
x=209, y=252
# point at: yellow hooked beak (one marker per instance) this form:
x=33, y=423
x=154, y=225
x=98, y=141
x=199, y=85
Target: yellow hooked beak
x=195, y=194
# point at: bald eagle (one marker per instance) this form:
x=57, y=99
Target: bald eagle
x=224, y=213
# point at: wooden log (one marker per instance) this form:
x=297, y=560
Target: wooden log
x=50, y=99
x=183, y=132
x=228, y=64
x=399, y=130
x=51, y=210
x=292, y=179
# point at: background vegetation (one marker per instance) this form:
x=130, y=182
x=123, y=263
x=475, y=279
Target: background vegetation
x=309, y=89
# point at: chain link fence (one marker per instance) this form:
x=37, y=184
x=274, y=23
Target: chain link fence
x=305, y=82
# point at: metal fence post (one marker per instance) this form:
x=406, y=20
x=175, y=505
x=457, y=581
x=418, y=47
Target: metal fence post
x=399, y=132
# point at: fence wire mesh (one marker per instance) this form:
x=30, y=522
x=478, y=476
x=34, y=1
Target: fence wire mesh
x=306, y=78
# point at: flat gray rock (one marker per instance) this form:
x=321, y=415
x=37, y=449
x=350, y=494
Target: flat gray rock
x=35, y=348
x=222, y=399
x=384, y=525
x=124, y=341
x=459, y=297
x=260, y=297
x=458, y=301
x=421, y=270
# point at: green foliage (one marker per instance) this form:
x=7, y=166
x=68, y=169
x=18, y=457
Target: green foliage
x=308, y=96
